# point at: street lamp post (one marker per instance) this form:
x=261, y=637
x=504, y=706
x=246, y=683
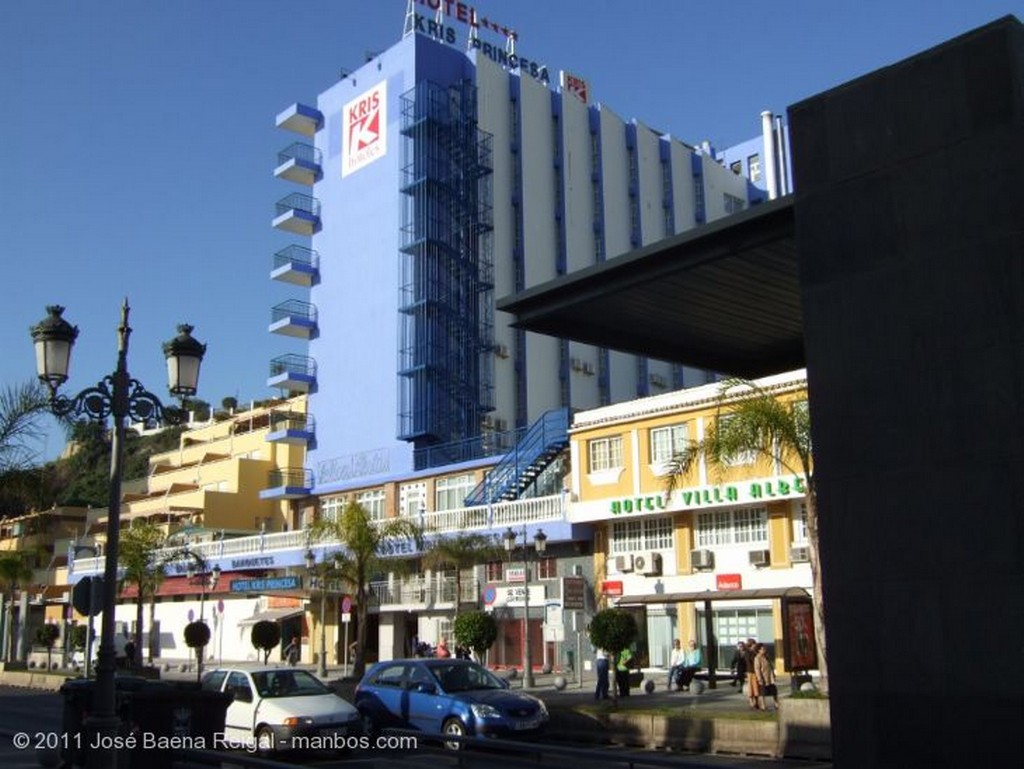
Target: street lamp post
x=310, y=565
x=119, y=397
x=540, y=544
x=206, y=581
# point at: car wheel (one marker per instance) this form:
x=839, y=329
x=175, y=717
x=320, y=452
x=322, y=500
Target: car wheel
x=455, y=728
x=266, y=742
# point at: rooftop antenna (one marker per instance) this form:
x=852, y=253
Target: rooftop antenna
x=510, y=42
x=439, y=20
x=409, y=27
x=473, y=39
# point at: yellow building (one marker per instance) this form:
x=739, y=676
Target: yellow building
x=721, y=558
x=223, y=475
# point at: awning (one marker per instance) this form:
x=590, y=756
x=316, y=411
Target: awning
x=272, y=615
x=714, y=595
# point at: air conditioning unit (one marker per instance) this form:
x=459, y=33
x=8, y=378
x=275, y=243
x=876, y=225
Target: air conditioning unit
x=702, y=559
x=623, y=563
x=760, y=557
x=501, y=350
x=577, y=364
x=648, y=564
x=799, y=554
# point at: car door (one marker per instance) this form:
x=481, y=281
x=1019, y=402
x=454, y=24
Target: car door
x=427, y=706
x=238, y=722
x=389, y=706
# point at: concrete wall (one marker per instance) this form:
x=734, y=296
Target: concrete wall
x=910, y=221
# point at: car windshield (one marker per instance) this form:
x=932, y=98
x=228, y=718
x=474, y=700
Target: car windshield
x=462, y=677
x=287, y=683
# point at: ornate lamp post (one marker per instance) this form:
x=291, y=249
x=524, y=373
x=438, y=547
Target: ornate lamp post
x=540, y=544
x=322, y=583
x=119, y=397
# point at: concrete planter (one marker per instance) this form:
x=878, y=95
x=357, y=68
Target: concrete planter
x=805, y=728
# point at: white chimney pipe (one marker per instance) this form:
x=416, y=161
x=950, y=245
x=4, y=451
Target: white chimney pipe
x=768, y=156
x=780, y=145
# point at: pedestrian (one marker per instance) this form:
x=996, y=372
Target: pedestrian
x=622, y=664
x=753, y=690
x=765, y=672
x=441, y=652
x=601, y=666
x=738, y=666
x=129, y=655
x=675, y=662
x=692, y=662
x=293, y=651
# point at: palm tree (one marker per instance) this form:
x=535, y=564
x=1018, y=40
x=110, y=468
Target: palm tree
x=362, y=539
x=461, y=551
x=751, y=419
x=21, y=410
x=14, y=572
x=137, y=556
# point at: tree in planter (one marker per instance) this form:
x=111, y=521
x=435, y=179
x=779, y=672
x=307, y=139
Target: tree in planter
x=79, y=636
x=753, y=420
x=197, y=636
x=46, y=636
x=461, y=551
x=476, y=630
x=364, y=542
x=265, y=636
x=613, y=630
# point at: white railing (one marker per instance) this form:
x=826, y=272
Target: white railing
x=421, y=591
x=498, y=515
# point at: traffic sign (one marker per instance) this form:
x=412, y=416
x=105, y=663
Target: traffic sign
x=87, y=596
x=346, y=604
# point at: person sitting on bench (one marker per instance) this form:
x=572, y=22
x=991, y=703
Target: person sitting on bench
x=692, y=661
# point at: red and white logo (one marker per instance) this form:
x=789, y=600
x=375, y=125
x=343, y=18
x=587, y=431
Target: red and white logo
x=575, y=85
x=366, y=122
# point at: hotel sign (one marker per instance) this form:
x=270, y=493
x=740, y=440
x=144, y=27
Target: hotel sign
x=263, y=585
x=365, y=121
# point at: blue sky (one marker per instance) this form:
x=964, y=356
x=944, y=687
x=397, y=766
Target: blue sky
x=139, y=140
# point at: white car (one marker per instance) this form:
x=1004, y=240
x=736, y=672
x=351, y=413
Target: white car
x=283, y=709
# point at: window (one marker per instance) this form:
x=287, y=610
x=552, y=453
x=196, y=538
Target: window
x=605, y=453
x=495, y=571
x=733, y=527
x=451, y=492
x=373, y=503
x=732, y=203
x=666, y=442
x=412, y=497
x=547, y=568
x=638, y=534
x=736, y=167
x=754, y=167
x=331, y=507
x=800, y=525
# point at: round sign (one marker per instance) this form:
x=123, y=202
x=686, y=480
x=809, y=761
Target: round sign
x=489, y=594
x=346, y=604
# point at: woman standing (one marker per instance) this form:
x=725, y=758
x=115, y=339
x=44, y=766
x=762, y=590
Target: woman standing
x=753, y=690
x=765, y=673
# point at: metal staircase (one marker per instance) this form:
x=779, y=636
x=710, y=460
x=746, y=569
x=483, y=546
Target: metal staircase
x=543, y=442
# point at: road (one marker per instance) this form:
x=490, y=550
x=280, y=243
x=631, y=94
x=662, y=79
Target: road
x=38, y=714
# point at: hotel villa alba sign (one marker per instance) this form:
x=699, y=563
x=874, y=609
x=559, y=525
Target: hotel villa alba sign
x=748, y=492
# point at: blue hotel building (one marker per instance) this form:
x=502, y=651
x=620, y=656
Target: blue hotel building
x=427, y=183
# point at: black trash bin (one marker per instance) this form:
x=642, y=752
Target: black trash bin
x=167, y=719
x=78, y=704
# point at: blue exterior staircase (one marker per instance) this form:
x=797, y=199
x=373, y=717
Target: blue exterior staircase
x=542, y=443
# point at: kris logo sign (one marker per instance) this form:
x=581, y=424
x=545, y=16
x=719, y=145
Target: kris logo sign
x=366, y=123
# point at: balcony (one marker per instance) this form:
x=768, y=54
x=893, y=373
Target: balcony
x=292, y=428
x=419, y=592
x=298, y=214
x=294, y=373
x=294, y=318
x=301, y=119
x=289, y=483
x=297, y=265
x=300, y=163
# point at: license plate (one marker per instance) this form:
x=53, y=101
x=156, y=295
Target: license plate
x=522, y=725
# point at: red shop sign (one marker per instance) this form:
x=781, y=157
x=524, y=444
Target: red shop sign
x=728, y=582
x=611, y=588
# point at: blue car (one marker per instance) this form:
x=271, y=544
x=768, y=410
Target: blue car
x=445, y=696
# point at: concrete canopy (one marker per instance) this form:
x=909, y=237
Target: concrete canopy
x=724, y=297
